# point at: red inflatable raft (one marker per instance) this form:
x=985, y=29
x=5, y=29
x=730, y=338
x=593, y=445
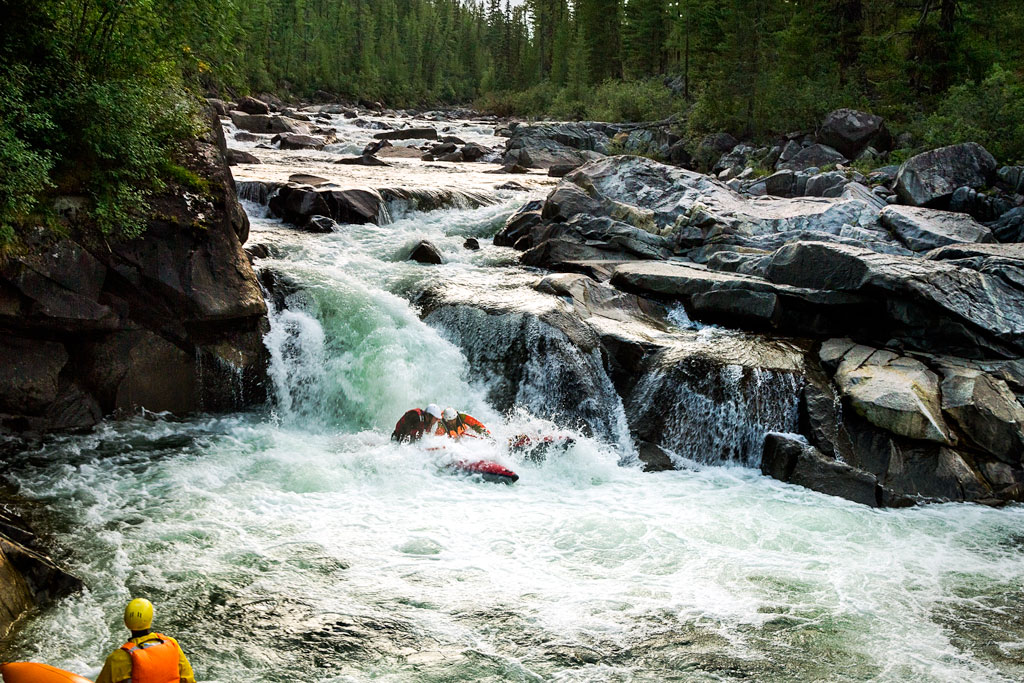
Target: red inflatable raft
x=487, y=470
x=32, y=672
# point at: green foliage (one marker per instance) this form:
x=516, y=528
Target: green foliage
x=990, y=113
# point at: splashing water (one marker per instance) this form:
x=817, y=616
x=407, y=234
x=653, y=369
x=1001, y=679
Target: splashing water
x=312, y=548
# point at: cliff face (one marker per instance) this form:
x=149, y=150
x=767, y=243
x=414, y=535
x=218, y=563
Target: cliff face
x=172, y=320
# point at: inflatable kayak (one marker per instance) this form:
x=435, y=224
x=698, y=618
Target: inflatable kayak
x=32, y=672
x=487, y=470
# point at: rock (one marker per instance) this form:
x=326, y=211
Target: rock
x=922, y=229
x=929, y=179
x=219, y=106
x=985, y=411
x=172, y=320
x=442, y=149
x=453, y=157
x=408, y=134
x=473, y=152
x=296, y=205
x=307, y=179
x=471, y=243
x=678, y=155
x=364, y=160
x=561, y=170
x=895, y=393
x=273, y=101
x=851, y=132
x=245, y=136
x=254, y=123
x=561, y=245
x=930, y=305
x=828, y=184
x=1010, y=226
x=711, y=148
x=981, y=206
x=237, y=156
x=320, y=224
x=399, y=152
x=426, y=252
x=790, y=459
x=533, y=152
x=813, y=156
x=509, y=168
x=512, y=186
x=654, y=457
x=454, y=140
x=519, y=224
x=1012, y=177
x=780, y=183
x=295, y=141
x=250, y=105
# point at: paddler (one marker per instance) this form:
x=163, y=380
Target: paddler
x=415, y=423
x=147, y=657
x=455, y=425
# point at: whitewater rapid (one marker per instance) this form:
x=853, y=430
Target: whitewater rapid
x=298, y=543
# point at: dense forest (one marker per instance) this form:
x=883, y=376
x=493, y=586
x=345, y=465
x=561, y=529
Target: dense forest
x=110, y=85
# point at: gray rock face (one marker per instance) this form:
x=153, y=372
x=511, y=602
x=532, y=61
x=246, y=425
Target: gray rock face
x=894, y=393
x=536, y=152
x=931, y=178
x=711, y=148
x=1010, y=226
x=923, y=229
x=162, y=322
x=851, y=132
x=296, y=141
x=986, y=411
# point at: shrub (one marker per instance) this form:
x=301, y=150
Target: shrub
x=990, y=113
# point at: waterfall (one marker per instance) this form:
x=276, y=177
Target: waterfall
x=297, y=347
x=526, y=363
x=711, y=412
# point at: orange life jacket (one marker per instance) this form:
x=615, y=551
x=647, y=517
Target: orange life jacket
x=154, y=661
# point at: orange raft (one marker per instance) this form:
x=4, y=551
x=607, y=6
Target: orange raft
x=32, y=672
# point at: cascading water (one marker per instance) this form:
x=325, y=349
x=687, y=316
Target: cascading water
x=304, y=545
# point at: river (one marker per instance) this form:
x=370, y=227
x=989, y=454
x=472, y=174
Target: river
x=298, y=543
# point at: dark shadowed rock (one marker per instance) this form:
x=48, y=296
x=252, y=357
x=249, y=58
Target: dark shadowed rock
x=654, y=457
x=320, y=224
x=250, y=105
x=561, y=170
x=237, y=156
x=363, y=160
x=817, y=156
x=1010, y=226
x=850, y=132
x=473, y=152
x=922, y=229
x=472, y=244
x=931, y=178
x=426, y=252
x=408, y=134
x=790, y=459
x=711, y=148
x=296, y=141
x=986, y=411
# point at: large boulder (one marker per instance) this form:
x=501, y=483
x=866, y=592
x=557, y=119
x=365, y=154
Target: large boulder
x=1010, y=226
x=426, y=252
x=850, y=132
x=537, y=152
x=250, y=105
x=791, y=459
x=816, y=155
x=297, y=141
x=895, y=393
x=931, y=178
x=172, y=320
x=711, y=148
x=922, y=229
x=985, y=410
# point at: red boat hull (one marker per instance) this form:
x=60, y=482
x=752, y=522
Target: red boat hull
x=487, y=470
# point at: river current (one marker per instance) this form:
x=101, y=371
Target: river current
x=298, y=543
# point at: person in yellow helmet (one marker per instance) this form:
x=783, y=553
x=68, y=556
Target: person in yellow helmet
x=148, y=657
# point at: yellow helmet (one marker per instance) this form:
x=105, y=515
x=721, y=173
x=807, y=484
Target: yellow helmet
x=138, y=615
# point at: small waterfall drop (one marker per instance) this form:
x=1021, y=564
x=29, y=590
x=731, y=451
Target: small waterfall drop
x=714, y=413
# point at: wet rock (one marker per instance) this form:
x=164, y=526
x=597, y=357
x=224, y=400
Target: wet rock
x=296, y=141
x=453, y=157
x=654, y=457
x=320, y=224
x=791, y=459
x=813, y=156
x=408, y=134
x=986, y=411
x=245, y=136
x=851, y=132
x=473, y=152
x=510, y=168
x=297, y=204
x=237, y=156
x=250, y=105
x=363, y=160
x=307, y=179
x=519, y=224
x=426, y=252
x=931, y=178
x=472, y=244
x=923, y=229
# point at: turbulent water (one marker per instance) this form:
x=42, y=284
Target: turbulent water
x=298, y=543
